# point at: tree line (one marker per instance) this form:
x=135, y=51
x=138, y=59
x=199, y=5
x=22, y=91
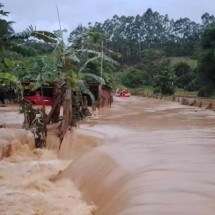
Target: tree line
x=146, y=44
x=149, y=50
x=131, y=35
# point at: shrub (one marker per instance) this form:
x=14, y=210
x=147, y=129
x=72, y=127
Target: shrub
x=134, y=78
x=184, y=76
x=205, y=91
x=164, y=80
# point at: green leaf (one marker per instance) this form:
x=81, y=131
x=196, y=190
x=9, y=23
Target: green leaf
x=92, y=77
x=85, y=90
x=6, y=78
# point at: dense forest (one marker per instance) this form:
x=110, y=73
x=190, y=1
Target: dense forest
x=157, y=51
x=148, y=51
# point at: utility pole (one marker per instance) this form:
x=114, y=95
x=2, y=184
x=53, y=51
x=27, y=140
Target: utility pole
x=58, y=15
x=61, y=32
x=102, y=59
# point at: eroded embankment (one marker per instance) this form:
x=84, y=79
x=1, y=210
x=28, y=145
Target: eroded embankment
x=158, y=157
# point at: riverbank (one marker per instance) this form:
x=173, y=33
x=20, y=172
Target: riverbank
x=204, y=103
x=184, y=98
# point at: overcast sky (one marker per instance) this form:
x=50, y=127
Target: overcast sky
x=43, y=15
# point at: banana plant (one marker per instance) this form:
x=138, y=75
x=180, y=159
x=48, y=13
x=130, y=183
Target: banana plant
x=8, y=79
x=69, y=74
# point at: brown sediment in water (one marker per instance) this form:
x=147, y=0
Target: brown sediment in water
x=158, y=157
x=26, y=188
x=26, y=173
x=210, y=106
x=12, y=139
x=101, y=180
x=78, y=142
x=11, y=117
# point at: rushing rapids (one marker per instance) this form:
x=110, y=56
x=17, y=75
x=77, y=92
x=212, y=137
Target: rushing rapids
x=27, y=185
x=142, y=156
x=157, y=157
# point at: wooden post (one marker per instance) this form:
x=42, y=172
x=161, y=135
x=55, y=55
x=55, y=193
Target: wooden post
x=54, y=114
x=67, y=114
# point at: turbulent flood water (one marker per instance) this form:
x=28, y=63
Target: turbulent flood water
x=141, y=157
x=27, y=188
x=157, y=157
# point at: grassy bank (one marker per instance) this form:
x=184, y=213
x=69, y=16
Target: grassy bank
x=149, y=91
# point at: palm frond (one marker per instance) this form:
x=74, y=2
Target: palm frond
x=92, y=77
x=85, y=90
x=7, y=78
x=2, y=12
x=31, y=31
x=99, y=55
x=110, y=60
x=89, y=51
x=46, y=36
x=73, y=57
x=24, y=34
x=87, y=62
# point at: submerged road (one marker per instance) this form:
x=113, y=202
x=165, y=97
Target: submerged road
x=157, y=158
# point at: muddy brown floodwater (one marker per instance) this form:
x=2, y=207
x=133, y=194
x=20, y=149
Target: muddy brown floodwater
x=27, y=185
x=141, y=157
x=157, y=158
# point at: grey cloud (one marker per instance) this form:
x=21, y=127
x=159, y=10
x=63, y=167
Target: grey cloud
x=42, y=13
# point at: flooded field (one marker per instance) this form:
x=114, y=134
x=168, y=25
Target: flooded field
x=142, y=156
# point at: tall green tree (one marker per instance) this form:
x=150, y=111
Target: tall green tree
x=131, y=35
x=184, y=76
x=6, y=29
x=207, y=63
x=164, y=80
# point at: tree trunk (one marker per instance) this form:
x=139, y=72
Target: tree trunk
x=67, y=113
x=58, y=96
x=67, y=109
